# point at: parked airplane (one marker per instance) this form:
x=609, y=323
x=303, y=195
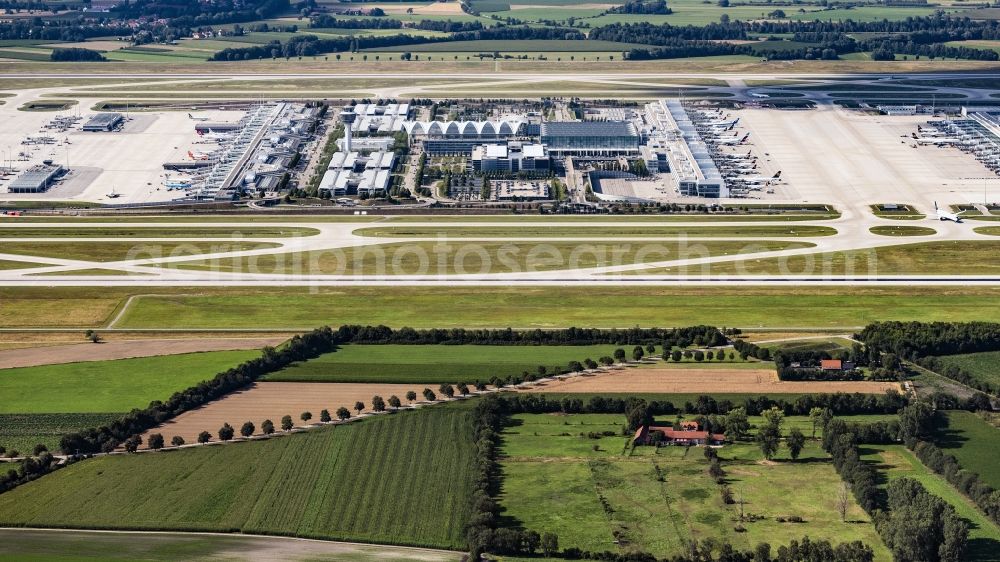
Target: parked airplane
x=193, y=118
x=756, y=180
x=171, y=184
x=733, y=139
x=945, y=215
x=757, y=95
x=198, y=155
x=937, y=140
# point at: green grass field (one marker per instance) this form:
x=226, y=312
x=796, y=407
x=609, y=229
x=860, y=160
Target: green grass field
x=156, y=232
x=10, y=264
x=983, y=366
x=974, y=442
x=486, y=232
x=896, y=461
x=264, y=308
x=109, y=386
x=115, y=251
x=966, y=257
x=438, y=258
x=901, y=230
x=829, y=345
x=434, y=363
x=22, y=432
x=548, y=463
x=401, y=479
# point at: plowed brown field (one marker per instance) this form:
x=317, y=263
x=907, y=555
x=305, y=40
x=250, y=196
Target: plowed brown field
x=272, y=400
x=708, y=381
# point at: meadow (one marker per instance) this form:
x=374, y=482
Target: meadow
x=487, y=232
x=896, y=461
x=434, y=258
x=109, y=386
x=156, y=232
x=402, y=479
x=271, y=308
x=966, y=257
x=974, y=442
x=434, y=363
x=116, y=251
x=658, y=500
x=984, y=366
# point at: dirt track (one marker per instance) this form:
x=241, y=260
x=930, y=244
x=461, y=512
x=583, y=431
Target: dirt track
x=72, y=353
x=272, y=400
x=706, y=381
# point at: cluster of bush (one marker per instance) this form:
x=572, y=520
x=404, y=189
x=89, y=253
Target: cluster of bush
x=658, y=7
x=709, y=550
x=29, y=469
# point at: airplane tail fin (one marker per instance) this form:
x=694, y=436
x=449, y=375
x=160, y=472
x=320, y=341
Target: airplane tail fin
x=776, y=176
x=935, y=206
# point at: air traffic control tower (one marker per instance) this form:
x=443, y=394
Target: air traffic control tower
x=348, y=117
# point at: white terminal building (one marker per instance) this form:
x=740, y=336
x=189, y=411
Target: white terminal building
x=673, y=140
x=350, y=173
x=373, y=118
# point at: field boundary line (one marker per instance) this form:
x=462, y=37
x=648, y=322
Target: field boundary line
x=235, y=534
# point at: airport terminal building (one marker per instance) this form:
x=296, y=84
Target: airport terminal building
x=590, y=138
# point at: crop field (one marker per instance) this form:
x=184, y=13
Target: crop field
x=434, y=363
x=896, y=461
x=38, y=545
x=404, y=479
x=486, y=232
x=966, y=257
x=282, y=308
x=974, y=442
x=984, y=366
x=273, y=400
x=21, y=432
x=433, y=258
x=705, y=381
x=109, y=386
x=115, y=251
x=660, y=499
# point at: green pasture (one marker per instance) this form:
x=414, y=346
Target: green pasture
x=109, y=386
x=974, y=442
x=264, y=308
x=658, y=500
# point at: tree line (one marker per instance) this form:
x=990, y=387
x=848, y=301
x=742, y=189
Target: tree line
x=914, y=524
x=76, y=54
x=641, y=7
x=912, y=340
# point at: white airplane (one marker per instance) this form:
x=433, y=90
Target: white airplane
x=114, y=194
x=217, y=136
x=198, y=155
x=758, y=95
x=756, y=180
x=193, y=118
x=945, y=215
x=937, y=140
x=722, y=123
x=734, y=139
x=171, y=184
